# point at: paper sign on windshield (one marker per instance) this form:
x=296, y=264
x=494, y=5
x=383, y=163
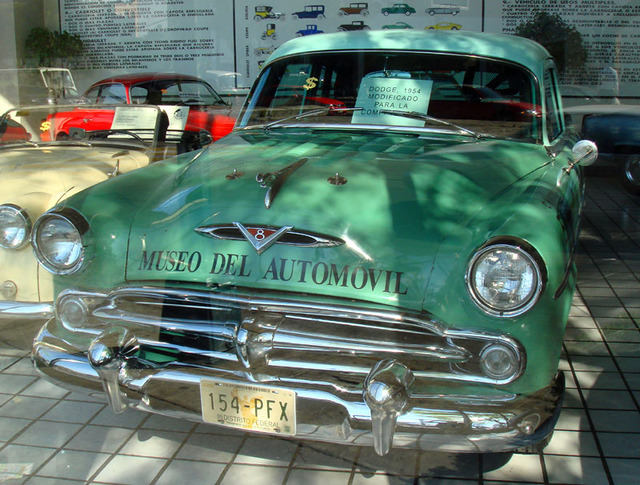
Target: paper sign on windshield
x=392, y=93
x=134, y=118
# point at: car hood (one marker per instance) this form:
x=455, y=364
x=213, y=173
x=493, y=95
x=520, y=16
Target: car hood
x=366, y=213
x=36, y=178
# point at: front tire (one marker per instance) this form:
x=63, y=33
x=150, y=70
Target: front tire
x=630, y=174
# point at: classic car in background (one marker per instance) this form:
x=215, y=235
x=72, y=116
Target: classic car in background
x=309, y=30
x=444, y=10
x=398, y=8
x=37, y=86
x=615, y=129
x=35, y=175
x=310, y=12
x=266, y=12
x=444, y=26
x=397, y=25
x=354, y=25
x=357, y=8
x=396, y=271
x=190, y=102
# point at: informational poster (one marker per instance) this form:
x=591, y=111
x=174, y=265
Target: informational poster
x=187, y=36
x=610, y=31
x=227, y=42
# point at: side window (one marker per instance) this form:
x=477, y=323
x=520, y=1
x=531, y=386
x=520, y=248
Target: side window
x=189, y=93
x=92, y=94
x=138, y=94
x=554, y=116
x=113, y=93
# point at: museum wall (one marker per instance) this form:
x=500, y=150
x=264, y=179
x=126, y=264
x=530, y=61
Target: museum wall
x=226, y=42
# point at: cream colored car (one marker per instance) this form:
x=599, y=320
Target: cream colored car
x=36, y=174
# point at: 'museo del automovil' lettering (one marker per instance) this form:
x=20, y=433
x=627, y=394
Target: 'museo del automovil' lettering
x=278, y=269
x=331, y=274
x=171, y=261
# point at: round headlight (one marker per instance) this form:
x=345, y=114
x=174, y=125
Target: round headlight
x=57, y=240
x=15, y=226
x=504, y=280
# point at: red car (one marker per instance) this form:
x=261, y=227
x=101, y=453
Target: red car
x=191, y=103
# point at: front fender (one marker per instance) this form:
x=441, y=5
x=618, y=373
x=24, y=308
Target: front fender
x=542, y=213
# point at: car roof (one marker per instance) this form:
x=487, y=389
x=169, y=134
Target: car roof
x=497, y=46
x=147, y=76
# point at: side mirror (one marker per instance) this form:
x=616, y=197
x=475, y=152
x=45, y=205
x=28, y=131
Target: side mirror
x=77, y=133
x=204, y=138
x=585, y=153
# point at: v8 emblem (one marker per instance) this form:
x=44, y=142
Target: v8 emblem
x=262, y=238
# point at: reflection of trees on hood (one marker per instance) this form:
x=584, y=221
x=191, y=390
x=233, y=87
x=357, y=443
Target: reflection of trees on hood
x=562, y=40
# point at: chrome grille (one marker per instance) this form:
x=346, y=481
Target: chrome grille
x=278, y=338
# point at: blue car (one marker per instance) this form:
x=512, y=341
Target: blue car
x=310, y=12
x=310, y=30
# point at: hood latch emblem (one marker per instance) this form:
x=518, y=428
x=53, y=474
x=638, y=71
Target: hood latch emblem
x=262, y=238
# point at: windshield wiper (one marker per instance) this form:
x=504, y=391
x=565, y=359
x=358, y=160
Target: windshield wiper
x=421, y=116
x=19, y=141
x=313, y=112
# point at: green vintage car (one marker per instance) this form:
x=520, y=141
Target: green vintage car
x=380, y=254
x=398, y=8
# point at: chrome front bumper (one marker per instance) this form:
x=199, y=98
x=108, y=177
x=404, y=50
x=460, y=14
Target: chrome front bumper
x=358, y=390
x=25, y=310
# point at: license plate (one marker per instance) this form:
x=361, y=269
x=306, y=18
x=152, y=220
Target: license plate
x=250, y=407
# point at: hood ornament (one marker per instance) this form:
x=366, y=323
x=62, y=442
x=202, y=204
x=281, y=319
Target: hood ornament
x=273, y=182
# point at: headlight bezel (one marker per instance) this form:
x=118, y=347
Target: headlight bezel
x=530, y=256
x=22, y=215
x=77, y=223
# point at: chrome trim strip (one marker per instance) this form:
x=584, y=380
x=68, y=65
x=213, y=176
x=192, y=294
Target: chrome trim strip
x=26, y=310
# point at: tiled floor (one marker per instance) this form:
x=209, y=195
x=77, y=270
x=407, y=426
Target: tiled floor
x=48, y=435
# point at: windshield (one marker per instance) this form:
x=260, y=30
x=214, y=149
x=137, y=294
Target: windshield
x=175, y=92
x=483, y=96
x=60, y=81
